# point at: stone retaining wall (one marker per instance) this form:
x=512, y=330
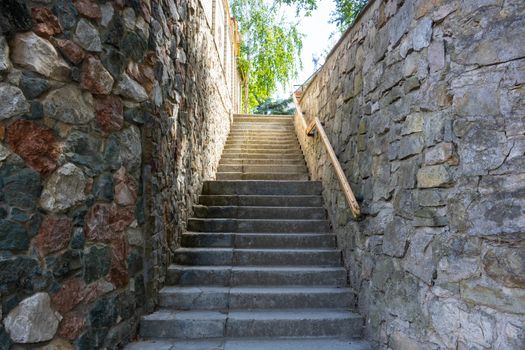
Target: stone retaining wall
x=424, y=104
x=112, y=113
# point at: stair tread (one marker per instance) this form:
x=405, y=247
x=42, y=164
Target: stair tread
x=257, y=290
x=295, y=268
x=311, y=343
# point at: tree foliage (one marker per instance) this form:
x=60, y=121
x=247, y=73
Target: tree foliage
x=271, y=46
x=276, y=107
x=346, y=12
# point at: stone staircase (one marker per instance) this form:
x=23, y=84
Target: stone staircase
x=258, y=267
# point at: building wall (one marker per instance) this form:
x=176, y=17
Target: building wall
x=423, y=103
x=112, y=114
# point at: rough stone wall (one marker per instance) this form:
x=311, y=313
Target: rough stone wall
x=112, y=113
x=424, y=104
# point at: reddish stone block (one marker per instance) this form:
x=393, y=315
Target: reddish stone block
x=46, y=23
x=88, y=8
x=54, y=234
x=109, y=111
x=35, y=144
x=74, y=53
x=71, y=326
x=125, y=188
x=104, y=221
x=2, y=132
x=143, y=73
x=70, y=295
x=94, y=77
x=97, y=223
x=118, y=274
x=97, y=289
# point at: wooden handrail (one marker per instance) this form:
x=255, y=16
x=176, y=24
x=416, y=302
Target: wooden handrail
x=347, y=190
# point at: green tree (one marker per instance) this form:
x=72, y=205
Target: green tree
x=346, y=12
x=270, y=49
x=276, y=107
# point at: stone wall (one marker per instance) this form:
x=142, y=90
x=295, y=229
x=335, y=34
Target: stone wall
x=424, y=104
x=112, y=113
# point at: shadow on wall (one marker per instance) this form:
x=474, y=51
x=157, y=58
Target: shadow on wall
x=423, y=103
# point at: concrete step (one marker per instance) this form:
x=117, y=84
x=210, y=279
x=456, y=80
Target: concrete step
x=167, y=323
x=260, y=200
x=258, y=240
x=289, y=155
x=263, y=168
x=256, y=257
x=224, y=298
x=248, y=212
x=256, y=276
x=281, y=143
x=259, y=138
x=261, y=176
x=262, y=128
x=282, y=188
x=267, y=161
x=247, y=148
x=257, y=225
x=270, y=133
x=322, y=343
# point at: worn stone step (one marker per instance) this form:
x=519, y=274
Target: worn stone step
x=237, y=142
x=256, y=276
x=260, y=138
x=261, y=176
x=262, y=188
x=279, y=150
x=248, y=212
x=246, y=148
x=257, y=225
x=224, y=298
x=294, y=323
x=321, y=343
x=263, y=168
x=258, y=240
x=262, y=127
x=261, y=200
x=256, y=257
x=167, y=323
x=257, y=161
x=288, y=155
x=256, y=132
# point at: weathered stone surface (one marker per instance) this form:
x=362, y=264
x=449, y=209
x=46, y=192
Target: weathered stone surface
x=410, y=145
x=38, y=55
x=420, y=261
x=71, y=326
x=118, y=273
x=35, y=144
x=20, y=186
x=109, y=111
x=476, y=101
x=5, y=63
x=33, y=86
x=130, y=148
x=54, y=234
x=64, y=188
x=489, y=293
x=66, y=13
x=129, y=88
x=98, y=262
x=103, y=187
x=46, y=23
x=436, y=55
x=69, y=105
x=12, y=101
x=433, y=176
x=95, y=78
x=69, y=295
x=422, y=34
x=87, y=36
x=125, y=188
x=107, y=12
x=441, y=153
x=395, y=240
x=84, y=149
x=105, y=220
x=70, y=50
x=13, y=236
x=14, y=16
x=33, y=320
x=88, y=8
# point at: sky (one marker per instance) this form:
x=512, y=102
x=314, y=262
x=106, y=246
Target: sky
x=320, y=37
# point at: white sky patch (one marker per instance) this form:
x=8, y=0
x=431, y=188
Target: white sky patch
x=319, y=38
